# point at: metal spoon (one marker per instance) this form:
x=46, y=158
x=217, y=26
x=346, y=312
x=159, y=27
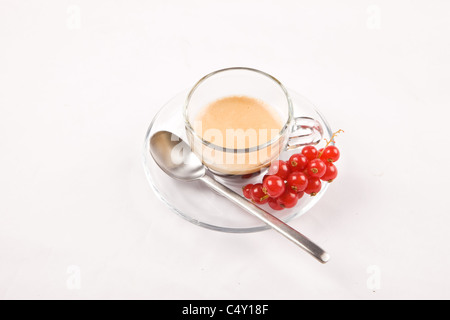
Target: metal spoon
x=176, y=159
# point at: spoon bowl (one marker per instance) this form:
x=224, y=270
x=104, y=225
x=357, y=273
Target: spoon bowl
x=175, y=158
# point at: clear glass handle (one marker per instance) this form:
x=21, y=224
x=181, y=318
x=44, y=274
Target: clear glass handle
x=306, y=131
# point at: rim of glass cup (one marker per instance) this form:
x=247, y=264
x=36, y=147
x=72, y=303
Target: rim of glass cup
x=240, y=150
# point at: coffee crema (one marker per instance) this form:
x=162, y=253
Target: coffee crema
x=238, y=122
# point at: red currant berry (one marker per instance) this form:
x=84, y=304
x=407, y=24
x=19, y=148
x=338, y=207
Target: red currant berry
x=316, y=168
x=330, y=154
x=297, y=162
x=279, y=168
x=258, y=195
x=306, y=173
x=273, y=203
x=300, y=194
x=331, y=173
x=297, y=182
x=247, y=191
x=288, y=199
x=273, y=186
x=310, y=152
x=314, y=186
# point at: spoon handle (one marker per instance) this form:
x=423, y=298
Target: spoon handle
x=290, y=233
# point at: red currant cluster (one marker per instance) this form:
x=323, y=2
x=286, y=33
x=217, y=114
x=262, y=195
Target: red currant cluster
x=287, y=181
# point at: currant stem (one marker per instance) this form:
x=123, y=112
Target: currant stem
x=331, y=141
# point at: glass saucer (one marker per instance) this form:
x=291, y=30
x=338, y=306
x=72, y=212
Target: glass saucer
x=198, y=204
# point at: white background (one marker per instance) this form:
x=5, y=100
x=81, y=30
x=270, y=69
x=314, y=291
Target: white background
x=80, y=82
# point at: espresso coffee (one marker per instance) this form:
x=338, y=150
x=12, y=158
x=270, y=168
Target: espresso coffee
x=238, y=122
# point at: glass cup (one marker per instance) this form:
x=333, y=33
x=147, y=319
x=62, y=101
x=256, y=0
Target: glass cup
x=244, y=158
